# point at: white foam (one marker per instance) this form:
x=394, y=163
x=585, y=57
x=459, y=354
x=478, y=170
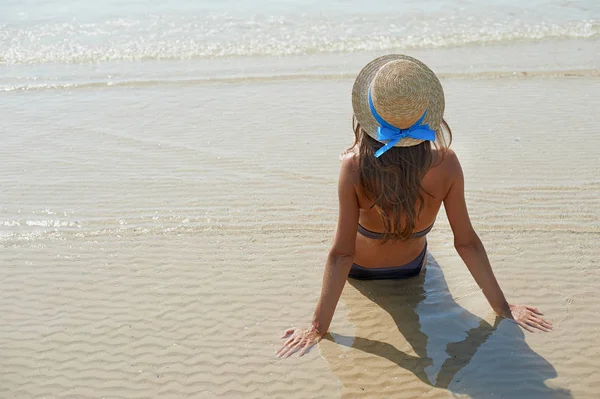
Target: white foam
x=181, y=37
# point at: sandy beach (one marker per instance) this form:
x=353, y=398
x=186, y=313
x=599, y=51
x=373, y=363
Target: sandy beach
x=163, y=258
x=169, y=195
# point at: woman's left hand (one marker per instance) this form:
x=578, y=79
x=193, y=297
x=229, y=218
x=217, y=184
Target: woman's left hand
x=529, y=318
x=298, y=339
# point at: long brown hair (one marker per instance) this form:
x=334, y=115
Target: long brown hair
x=393, y=181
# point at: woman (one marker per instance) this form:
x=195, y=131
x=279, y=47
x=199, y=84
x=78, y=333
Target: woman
x=392, y=184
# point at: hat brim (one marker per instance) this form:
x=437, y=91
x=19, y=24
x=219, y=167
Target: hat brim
x=360, y=98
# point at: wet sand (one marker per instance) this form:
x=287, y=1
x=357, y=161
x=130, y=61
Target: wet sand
x=155, y=241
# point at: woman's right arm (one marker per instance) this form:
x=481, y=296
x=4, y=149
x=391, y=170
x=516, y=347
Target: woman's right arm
x=471, y=250
x=339, y=262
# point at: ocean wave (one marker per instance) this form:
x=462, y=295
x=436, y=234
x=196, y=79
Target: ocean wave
x=161, y=38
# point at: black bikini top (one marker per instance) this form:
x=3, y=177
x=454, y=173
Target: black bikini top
x=379, y=236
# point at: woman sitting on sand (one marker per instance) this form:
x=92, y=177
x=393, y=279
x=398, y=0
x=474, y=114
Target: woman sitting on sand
x=392, y=184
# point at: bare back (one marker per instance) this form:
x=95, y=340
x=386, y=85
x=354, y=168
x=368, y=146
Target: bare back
x=372, y=252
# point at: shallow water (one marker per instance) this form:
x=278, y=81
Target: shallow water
x=147, y=250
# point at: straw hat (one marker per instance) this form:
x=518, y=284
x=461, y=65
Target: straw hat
x=402, y=89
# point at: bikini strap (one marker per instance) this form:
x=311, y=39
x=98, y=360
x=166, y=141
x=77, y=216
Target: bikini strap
x=370, y=234
x=423, y=233
x=379, y=236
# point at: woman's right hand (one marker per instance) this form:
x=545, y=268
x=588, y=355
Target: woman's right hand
x=529, y=318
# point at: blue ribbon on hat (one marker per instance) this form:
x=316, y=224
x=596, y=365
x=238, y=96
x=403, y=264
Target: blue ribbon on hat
x=392, y=134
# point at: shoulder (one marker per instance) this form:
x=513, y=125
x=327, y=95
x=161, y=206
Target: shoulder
x=445, y=172
x=349, y=168
x=449, y=163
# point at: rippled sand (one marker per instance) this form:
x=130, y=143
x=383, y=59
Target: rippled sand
x=155, y=241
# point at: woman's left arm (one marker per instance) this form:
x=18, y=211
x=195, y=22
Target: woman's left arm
x=339, y=262
x=471, y=250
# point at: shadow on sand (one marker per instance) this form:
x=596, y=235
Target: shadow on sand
x=445, y=339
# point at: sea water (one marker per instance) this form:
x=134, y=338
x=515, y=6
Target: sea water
x=65, y=44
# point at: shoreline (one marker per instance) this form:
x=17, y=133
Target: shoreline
x=561, y=58
x=522, y=75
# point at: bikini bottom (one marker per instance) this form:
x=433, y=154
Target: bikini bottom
x=411, y=269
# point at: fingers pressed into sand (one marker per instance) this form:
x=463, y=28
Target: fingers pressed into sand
x=537, y=324
x=532, y=324
x=534, y=310
x=548, y=324
x=298, y=340
x=280, y=351
x=542, y=322
x=290, y=340
x=305, y=349
x=291, y=350
x=286, y=345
